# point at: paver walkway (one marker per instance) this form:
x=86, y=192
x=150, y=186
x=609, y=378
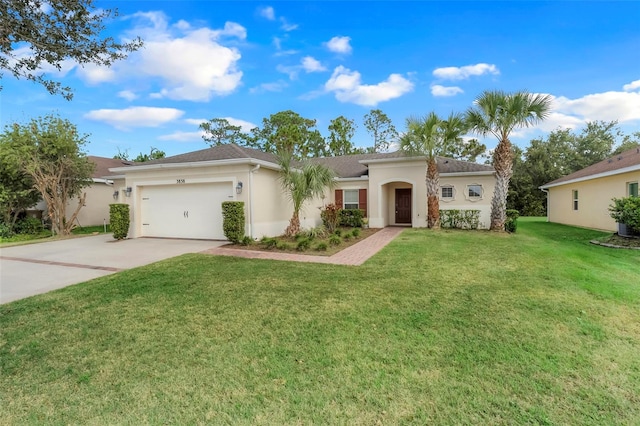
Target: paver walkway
x=356, y=254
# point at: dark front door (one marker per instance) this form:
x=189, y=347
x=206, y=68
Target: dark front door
x=403, y=205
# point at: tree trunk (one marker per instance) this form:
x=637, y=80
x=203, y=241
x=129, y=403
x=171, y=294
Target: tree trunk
x=433, y=204
x=294, y=225
x=503, y=163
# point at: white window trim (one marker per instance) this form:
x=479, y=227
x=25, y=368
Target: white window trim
x=473, y=199
x=344, y=198
x=453, y=192
x=629, y=187
x=575, y=200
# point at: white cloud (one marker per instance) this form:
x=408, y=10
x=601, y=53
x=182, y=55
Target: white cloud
x=463, y=73
x=348, y=87
x=95, y=74
x=128, y=95
x=286, y=26
x=291, y=71
x=634, y=85
x=438, y=90
x=267, y=13
x=182, y=136
x=188, y=63
x=310, y=64
x=339, y=44
x=276, y=86
x=135, y=116
x=196, y=121
x=607, y=106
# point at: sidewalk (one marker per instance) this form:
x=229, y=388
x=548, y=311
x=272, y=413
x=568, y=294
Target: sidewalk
x=356, y=254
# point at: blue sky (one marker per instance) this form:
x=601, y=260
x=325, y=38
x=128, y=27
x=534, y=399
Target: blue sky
x=246, y=60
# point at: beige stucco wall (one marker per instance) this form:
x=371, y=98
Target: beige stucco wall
x=594, y=198
x=385, y=178
x=96, y=206
x=267, y=209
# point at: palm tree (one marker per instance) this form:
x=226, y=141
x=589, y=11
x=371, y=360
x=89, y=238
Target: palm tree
x=302, y=184
x=428, y=136
x=499, y=113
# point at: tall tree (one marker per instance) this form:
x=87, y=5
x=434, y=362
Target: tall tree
x=219, y=131
x=154, y=154
x=429, y=136
x=287, y=131
x=499, y=113
x=301, y=184
x=54, y=32
x=341, y=131
x=50, y=150
x=381, y=129
x=463, y=150
x=16, y=187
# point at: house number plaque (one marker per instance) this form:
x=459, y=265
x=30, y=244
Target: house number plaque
x=179, y=180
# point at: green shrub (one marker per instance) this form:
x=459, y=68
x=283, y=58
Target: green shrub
x=460, y=219
x=346, y=236
x=5, y=230
x=322, y=246
x=335, y=240
x=331, y=217
x=511, y=224
x=283, y=246
x=317, y=232
x=338, y=232
x=119, y=220
x=355, y=232
x=352, y=218
x=29, y=225
x=233, y=220
x=246, y=241
x=627, y=211
x=269, y=243
x=304, y=244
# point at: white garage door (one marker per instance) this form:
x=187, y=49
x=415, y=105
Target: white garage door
x=184, y=211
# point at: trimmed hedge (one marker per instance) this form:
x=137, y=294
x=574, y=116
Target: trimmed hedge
x=627, y=211
x=119, y=220
x=233, y=220
x=511, y=224
x=351, y=218
x=460, y=219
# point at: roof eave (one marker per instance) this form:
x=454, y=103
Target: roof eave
x=193, y=164
x=595, y=176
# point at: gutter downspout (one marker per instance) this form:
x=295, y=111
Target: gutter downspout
x=251, y=172
x=546, y=191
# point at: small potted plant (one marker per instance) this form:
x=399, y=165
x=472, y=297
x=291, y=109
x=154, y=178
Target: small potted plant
x=365, y=222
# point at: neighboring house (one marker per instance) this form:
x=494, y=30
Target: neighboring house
x=180, y=196
x=583, y=198
x=99, y=194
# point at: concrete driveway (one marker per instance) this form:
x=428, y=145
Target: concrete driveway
x=38, y=268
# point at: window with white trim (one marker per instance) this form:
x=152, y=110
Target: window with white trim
x=474, y=191
x=447, y=192
x=350, y=199
x=632, y=189
x=575, y=199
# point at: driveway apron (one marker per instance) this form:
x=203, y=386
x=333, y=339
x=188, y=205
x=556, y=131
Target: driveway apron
x=33, y=269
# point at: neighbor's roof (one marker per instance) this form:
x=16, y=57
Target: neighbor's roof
x=627, y=161
x=103, y=165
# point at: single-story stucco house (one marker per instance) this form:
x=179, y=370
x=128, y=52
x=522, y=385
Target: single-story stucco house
x=180, y=196
x=583, y=198
x=99, y=194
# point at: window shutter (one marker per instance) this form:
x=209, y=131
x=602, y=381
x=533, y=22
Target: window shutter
x=339, y=201
x=362, y=201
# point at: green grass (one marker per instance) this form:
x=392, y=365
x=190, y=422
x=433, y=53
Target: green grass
x=447, y=327
x=20, y=239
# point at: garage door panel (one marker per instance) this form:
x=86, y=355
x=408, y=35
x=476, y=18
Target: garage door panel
x=184, y=211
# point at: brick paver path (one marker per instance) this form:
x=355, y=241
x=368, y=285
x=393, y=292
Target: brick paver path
x=356, y=254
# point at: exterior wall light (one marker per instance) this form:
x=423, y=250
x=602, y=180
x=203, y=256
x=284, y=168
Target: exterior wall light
x=127, y=192
x=239, y=188
x=115, y=195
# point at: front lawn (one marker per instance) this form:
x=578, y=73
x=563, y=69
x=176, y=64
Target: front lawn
x=447, y=327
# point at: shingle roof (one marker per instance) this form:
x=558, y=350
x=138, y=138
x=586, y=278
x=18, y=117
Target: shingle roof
x=103, y=164
x=347, y=166
x=621, y=161
x=220, y=152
